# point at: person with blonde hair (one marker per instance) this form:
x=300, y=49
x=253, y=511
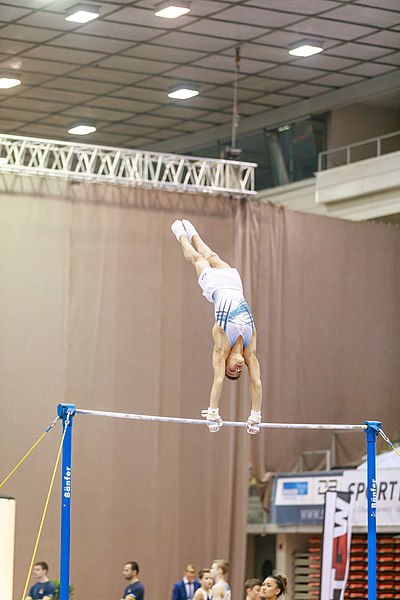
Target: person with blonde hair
x=234, y=332
x=187, y=586
x=219, y=571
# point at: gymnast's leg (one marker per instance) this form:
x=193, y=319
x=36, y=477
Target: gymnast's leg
x=196, y=258
x=212, y=257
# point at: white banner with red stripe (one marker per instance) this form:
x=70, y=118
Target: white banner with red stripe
x=336, y=540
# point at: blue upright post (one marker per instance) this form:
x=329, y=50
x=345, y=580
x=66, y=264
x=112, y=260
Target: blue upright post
x=371, y=432
x=66, y=412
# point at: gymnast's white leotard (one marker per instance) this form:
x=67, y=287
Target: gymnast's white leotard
x=223, y=287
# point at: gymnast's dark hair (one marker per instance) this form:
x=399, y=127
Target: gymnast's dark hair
x=281, y=583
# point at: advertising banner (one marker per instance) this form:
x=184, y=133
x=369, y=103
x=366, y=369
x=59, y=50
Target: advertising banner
x=336, y=541
x=299, y=499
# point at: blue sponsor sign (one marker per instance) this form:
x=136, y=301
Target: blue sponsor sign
x=295, y=488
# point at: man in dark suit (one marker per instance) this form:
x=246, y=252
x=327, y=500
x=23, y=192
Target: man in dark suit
x=186, y=587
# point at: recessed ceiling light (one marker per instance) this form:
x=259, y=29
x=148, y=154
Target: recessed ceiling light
x=172, y=9
x=82, y=13
x=7, y=82
x=82, y=129
x=183, y=93
x=306, y=48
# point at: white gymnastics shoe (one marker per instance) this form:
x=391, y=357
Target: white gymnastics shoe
x=178, y=229
x=190, y=229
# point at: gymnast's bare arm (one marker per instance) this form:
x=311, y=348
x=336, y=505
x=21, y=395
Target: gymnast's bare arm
x=253, y=366
x=220, y=354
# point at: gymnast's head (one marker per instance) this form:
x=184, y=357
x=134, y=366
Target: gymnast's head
x=235, y=362
x=273, y=587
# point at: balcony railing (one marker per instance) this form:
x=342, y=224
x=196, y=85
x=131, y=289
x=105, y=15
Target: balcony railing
x=371, y=148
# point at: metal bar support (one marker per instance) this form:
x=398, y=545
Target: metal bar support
x=66, y=412
x=371, y=433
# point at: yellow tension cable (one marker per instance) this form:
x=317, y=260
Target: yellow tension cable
x=44, y=513
x=28, y=453
x=385, y=437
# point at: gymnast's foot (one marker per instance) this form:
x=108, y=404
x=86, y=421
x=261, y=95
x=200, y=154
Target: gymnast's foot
x=253, y=422
x=190, y=229
x=178, y=229
x=214, y=420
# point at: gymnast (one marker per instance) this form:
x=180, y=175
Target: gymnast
x=234, y=333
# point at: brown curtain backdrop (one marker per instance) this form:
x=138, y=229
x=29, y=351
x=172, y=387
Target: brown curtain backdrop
x=326, y=296
x=99, y=309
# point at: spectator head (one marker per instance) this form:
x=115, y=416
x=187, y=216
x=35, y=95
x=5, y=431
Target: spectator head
x=130, y=570
x=252, y=589
x=219, y=568
x=190, y=572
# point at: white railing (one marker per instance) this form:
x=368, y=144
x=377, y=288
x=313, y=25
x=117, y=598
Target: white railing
x=371, y=148
x=82, y=162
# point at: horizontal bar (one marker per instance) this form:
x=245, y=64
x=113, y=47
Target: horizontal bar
x=116, y=415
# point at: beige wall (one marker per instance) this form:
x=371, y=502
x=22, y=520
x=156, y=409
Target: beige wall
x=358, y=122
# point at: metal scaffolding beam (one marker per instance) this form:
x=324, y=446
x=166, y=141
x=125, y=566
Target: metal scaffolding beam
x=82, y=162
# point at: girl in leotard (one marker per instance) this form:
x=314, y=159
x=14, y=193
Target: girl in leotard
x=234, y=332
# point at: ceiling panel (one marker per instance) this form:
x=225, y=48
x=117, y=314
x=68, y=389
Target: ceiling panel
x=118, y=31
x=107, y=75
x=10, y=13
x=136, y=65
x=389, y=4
x=390, y=39
x=227, y=63
x=293, y=73
x=277, y=100
x=191, y=73
x=325, y=62
x=125, y=108
x=117, y=70
x=258, y=16
x=326, y=27
x=26, y=34
x=159, y=52
x=146, y=18
x=366, y=15
x=338, y=79
x=308, y=90
x=391, y=59
x=49, y=20
x=46, y=93
x=234, y=32
x=359, y=51
x=368, y=70
x=304, y=7
x=14, y=46
x=90, y=42
x=195, y=42
x=95, y=113
x=79, y=85
x=263, y=84
x=67, y=55
x=25, y=104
